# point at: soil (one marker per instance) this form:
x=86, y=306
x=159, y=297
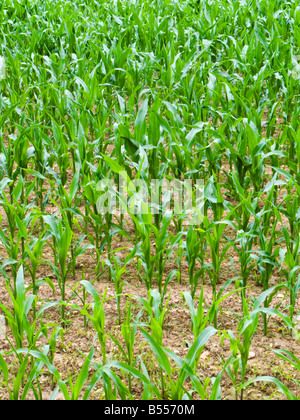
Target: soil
x=177, y=332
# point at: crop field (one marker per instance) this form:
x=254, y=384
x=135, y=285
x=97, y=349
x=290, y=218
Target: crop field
x=149, y=199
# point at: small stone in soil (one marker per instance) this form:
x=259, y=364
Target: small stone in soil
x=205, y=355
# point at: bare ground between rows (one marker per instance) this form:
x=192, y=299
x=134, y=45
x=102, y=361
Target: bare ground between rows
x=177, y=329
x=177, y=332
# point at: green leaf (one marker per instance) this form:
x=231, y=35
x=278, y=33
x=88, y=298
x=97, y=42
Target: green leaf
x=282, y=388
x=90, y=288
x=159, y=352
x=4, y=368
x=83, y=375
x=199, y=343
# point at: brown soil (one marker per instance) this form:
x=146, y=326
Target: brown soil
x=177, y=329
